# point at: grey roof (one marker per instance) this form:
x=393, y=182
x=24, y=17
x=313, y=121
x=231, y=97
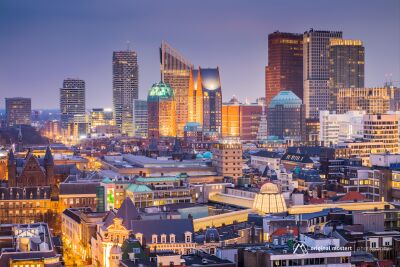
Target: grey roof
x=301, y=158
x=127, y=212
x=178, y=227
x=78, y=188
x=267, y=154
x=34, y=192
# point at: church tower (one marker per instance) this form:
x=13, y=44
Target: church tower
x=12, y=169
x=49, y=166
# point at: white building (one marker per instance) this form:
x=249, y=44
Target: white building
x=338, y=128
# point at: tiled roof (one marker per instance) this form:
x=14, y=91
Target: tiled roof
x=78, y=188
x=138, y=188
x=352, y=196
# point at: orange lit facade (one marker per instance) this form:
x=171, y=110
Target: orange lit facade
x=241, y=120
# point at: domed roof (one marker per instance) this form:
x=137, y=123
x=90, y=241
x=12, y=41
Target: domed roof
x=269, y=188
x=160, y=91
x=286, y=98
x=115, y=250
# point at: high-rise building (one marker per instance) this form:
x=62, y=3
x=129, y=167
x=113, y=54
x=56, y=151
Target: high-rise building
x=212, y=100
x=140, y=118
x=285, y=64
x=241, y=120
x=346, y=63
x=346, y=66
x=286, y=117
x=316, y=70
x=175, y=71
x=18, y=111
x=195, y=102
x=161, y=107
x=72, y=100
x=372, y=100
x=125, y=89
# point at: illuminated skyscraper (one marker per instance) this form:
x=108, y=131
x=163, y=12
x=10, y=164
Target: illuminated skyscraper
x=161, y=107
x=175, y=71
x=125, y=89
x=212, y=100
x=316, y=70
x=195, y=103
x=72, y=101
x=346, y=66
x=285, y=64
x=140, y=118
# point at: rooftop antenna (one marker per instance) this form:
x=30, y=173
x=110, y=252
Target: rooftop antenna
x=128, y=45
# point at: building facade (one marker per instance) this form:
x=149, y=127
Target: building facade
x=18, y=111
x=372, y=100
x=161, y=108
x=227, y=158
x=175, y=71
x=316, y=70
x=140, y=118
x=212, y=100
x=286, y=117
x=383, y=128
x=285, y=64
x=72, y=100
x=125, y=89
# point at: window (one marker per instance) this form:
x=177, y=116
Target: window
x=154, y=239
x=163, y=238
x=188, y=237
x=172, y=238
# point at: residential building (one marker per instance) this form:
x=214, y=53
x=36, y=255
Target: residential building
x=72, y=100
x=125, y=71
x=316, y=70
x=18, y=111
x=384, y=129
x=285, y=64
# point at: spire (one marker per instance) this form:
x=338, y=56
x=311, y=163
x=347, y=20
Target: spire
x=48, y=157
x=11, y=157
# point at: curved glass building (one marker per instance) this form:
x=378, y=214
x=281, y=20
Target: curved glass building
x=161, y=107
x=286, y=116
x=212, y=99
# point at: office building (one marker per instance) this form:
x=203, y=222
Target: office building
x=335, y=128
x=227, y=158
x=212, y=100
x=372, y=100
x=285, y=64
x=161, y=109
x=175, y=71
x=140, y=118
x=383, y=129
x=346, y=63
x=125, y=89
x=72, y=100
x=286, y=117
x=195, y=103
x=241, y=120
x=18, y=111
x=316, y=70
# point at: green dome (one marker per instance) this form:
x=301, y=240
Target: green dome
x=286, y=98
x=160, y=91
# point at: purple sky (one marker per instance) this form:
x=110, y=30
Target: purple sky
x=43, y=42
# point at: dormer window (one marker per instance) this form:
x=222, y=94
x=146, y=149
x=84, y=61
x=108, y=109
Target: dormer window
x=172, y=238
x=188, y=237
x=163, y=238
x=154, y=239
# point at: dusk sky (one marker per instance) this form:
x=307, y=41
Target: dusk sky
x=43, y=42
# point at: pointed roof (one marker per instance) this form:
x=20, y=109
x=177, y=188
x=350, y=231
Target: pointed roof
x=48, y=157
x=127, y=212
x=11, y=157
x=352, y=196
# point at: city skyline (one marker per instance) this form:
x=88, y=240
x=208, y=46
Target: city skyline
x=39, y=42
